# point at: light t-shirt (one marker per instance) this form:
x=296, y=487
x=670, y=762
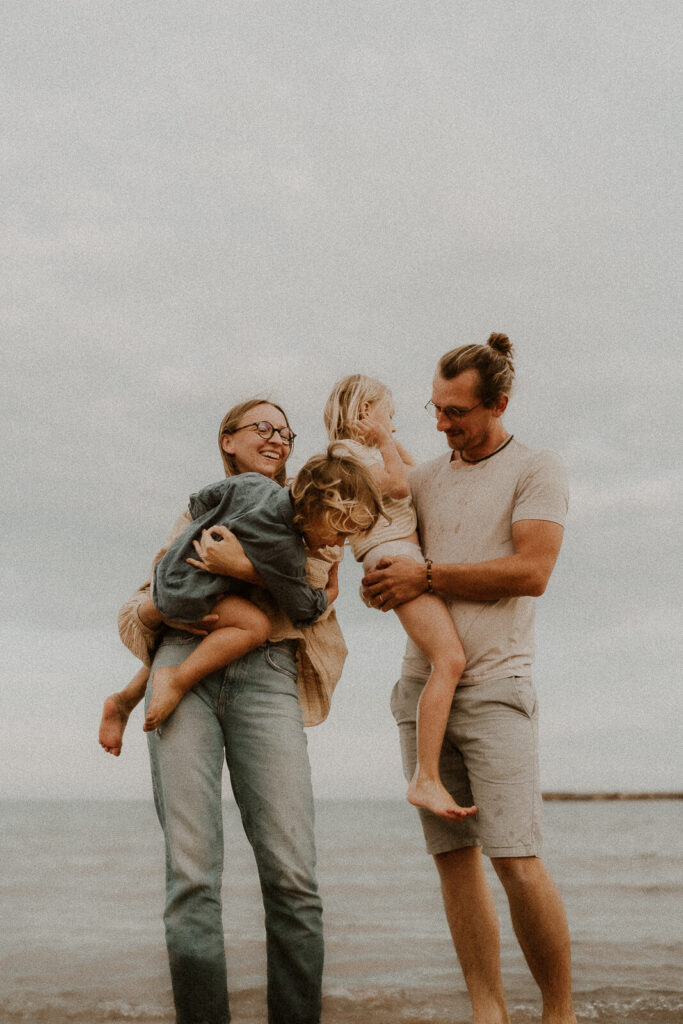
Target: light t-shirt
x=400, y=510
x=465, y=514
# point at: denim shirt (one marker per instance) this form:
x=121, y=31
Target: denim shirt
x=260, y=514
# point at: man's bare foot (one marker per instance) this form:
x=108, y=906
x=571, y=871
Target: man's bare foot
x=434, y=797
x=166, y=694
x=112, y=724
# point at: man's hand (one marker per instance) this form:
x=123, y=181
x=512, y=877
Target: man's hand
x=394, y=581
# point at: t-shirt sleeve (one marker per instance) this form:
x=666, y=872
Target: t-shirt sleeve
x=543, y=490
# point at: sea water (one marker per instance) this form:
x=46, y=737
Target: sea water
x=81, y=898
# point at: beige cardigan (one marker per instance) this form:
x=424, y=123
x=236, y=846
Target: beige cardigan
x=321, y=648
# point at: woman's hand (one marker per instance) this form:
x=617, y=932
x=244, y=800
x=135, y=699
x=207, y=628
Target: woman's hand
x=150, y=617
x=225, y=557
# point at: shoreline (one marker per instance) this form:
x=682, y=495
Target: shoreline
x=550, y=796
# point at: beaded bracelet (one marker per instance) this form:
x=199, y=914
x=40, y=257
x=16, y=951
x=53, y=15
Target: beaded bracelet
x=430, y=588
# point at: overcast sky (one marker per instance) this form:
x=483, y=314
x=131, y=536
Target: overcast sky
x=204, y=201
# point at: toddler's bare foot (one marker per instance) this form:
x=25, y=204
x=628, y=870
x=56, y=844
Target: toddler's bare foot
x=166, y=694
x=434, y=797
x=112, y=724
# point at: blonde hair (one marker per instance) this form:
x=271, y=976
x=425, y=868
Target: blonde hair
x=492, y=361
x=335, y=489
x=342, y=408
x=231, y=422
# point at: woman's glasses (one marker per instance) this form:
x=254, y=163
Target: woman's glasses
x=266, y=430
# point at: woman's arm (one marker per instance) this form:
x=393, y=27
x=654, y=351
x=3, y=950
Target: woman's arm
x=139, y=621
x=224, y=557
x=153, y=619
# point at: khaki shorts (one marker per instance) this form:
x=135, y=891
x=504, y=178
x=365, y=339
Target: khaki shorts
x=489, y=758
x=392, y=549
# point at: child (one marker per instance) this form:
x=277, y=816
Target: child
x=332, y=496
x=360, y=411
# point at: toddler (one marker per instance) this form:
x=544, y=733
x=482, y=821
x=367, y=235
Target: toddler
x=359, y=412
x=331, y=497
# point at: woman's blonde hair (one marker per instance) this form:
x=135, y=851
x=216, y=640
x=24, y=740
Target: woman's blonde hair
x=342, y=408
x=493, y=363
x=231, y=422
x=335, y=489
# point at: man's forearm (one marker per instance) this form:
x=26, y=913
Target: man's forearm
x=525, y=573
x=512, y=576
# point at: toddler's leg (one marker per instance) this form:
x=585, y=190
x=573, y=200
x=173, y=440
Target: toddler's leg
x=241, y=627
x=427, y=622
x=116, y=710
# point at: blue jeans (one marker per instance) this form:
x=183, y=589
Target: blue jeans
x=250, y=713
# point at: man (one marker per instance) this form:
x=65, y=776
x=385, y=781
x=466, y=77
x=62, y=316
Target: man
x=491, y=518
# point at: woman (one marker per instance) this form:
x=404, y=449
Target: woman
x=251, y=713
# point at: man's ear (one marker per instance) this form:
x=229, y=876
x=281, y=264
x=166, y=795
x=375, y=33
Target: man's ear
x=500, y=406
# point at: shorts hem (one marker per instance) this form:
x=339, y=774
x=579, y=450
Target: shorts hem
x=511, y=851
x=436, y=848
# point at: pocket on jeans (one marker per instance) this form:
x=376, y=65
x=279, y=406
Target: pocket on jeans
x=282, y=661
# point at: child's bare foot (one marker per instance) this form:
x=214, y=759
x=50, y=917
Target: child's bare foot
x=166, y=694
x=434, y=797
x=112, y=724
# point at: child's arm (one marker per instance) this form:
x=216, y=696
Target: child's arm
x=406, y=458
x=393, y=479
x=332, y=585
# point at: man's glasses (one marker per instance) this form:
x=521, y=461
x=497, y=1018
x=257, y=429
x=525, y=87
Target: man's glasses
x=266, y=430
x=451, y=412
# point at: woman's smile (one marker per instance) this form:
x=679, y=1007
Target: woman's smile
x=253, y=453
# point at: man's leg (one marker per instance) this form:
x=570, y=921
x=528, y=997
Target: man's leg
x=540, y=925
x=466, y=894
x=472, y=920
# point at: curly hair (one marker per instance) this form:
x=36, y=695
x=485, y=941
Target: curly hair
x=492, y=361
x=336, y=489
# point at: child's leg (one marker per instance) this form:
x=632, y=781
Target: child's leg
x=116, y=710
x=427, y=622
x=241, y=627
